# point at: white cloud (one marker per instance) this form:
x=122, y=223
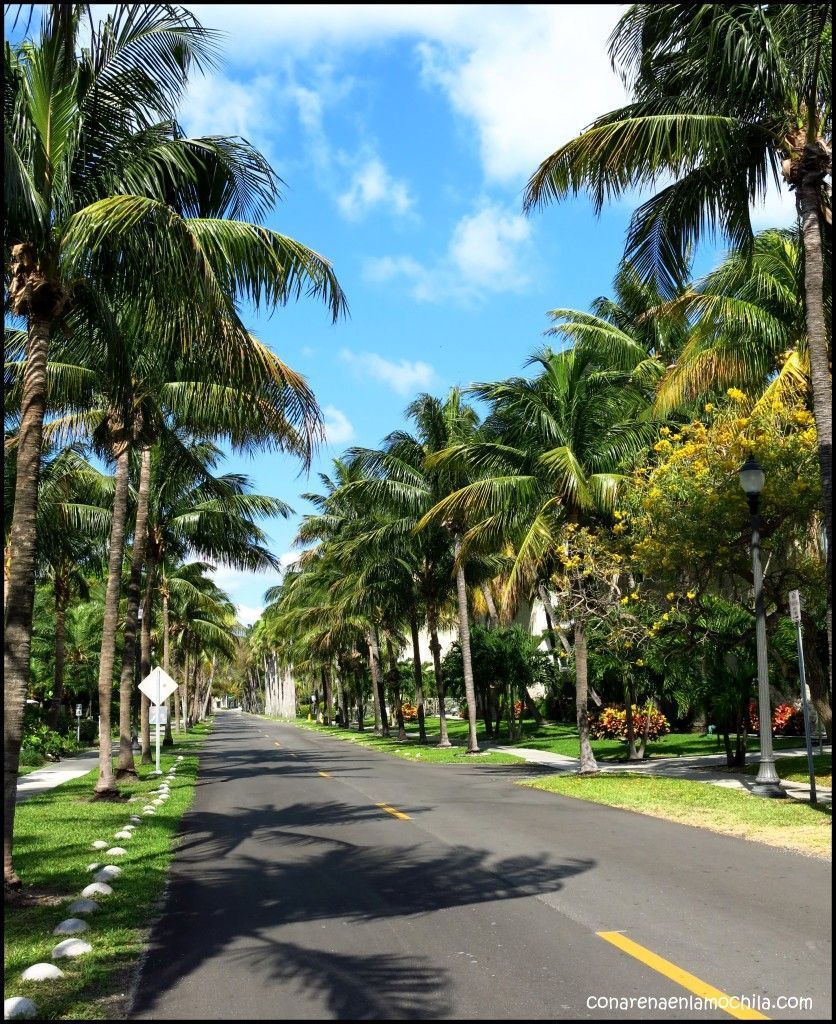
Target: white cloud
x=485, y=254
x=527, y=77
x=372, y=185
x=247, y=614
x=404, y=377
x=338, y=429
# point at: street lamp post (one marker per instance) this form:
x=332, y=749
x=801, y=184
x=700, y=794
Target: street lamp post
x=766, y=784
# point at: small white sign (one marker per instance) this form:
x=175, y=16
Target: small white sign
x=157, y=715
x=78, y=711
x=795, y=606
x=158, y=686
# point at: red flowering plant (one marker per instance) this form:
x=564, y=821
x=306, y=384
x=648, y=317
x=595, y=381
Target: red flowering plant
x=611, y=723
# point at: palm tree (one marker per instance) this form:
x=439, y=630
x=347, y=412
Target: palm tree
x=406, y=482
x=725, y=99
x=191, y=510
x=552, y=462
x=749, y=326
x=65, y=228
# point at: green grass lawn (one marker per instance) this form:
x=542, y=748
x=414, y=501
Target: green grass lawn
x=795, y=769
x=562, y=738
x=784, y=823
x=53, y=836
x=410, y=751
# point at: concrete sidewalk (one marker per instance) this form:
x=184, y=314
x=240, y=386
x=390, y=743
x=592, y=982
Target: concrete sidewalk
x=695, y=769
x=52, y=775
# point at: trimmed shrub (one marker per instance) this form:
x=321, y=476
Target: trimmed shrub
x=409, y=711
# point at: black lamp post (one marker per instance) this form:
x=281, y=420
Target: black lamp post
x=752, y=479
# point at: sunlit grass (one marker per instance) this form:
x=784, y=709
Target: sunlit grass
x=784, y=823
x=53, y=836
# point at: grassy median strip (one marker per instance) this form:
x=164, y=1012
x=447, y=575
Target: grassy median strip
x=53, y=836
x=785, y=823
x=409, y=750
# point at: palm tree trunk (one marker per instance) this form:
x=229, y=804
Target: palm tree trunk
x=435, y=647
x=168, y=739
x=588, y=762
x=493, y=616
x=395, y=684
x=808, y=202
x=20, y=591
x=419, y=679
x=145, y=660
x=381, y=725
x=61, y=595
x=329, y=696
x=464, y=642
x=126, y=767
x=106, y=784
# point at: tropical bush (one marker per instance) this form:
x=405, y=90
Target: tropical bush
x=787, y=720
x=611, y=723
x=409, y=711
x=40, y=740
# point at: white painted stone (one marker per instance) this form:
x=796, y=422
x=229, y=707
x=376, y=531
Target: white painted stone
x=158, y=803
x=83, y=907
x=72, y=926
x=116, y=851
x=96, y=889
x=99, y=844
x=19, y=1006
x=130, y=827
x=150, y=810
x=135, y=818
x=94, y=867
x=179, y=757
x=108, y=873
x=42, y=972
x=71, y=948
x=156, y=773
x=122, y=835
x=163, y=798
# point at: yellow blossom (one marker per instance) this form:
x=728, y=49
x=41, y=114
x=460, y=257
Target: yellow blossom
x=670, y=595
x=736, y=395
x=690, y=595
x=624, y=600
x=708, y=407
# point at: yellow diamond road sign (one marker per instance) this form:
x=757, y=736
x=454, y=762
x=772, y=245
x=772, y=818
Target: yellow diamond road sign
x=158, y=686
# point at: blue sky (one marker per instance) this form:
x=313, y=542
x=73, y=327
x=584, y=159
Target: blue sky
x=405, y=135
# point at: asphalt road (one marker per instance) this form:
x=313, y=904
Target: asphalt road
x=297, y=895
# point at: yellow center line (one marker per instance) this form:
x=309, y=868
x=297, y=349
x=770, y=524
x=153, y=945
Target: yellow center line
x=393, y=812
x=724, y=1002
x=292, y=754
x=276, y=742
x=325, y=775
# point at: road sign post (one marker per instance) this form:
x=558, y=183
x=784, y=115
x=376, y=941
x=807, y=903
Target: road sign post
x=795, y=615
x=78, y=723
x=158, y=687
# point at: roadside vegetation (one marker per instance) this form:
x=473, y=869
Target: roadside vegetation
x=55, y=832
x=783, y=823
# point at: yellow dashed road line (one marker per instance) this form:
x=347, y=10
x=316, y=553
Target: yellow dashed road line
x=325, y=775
x=728, y=1004
x=395, y=813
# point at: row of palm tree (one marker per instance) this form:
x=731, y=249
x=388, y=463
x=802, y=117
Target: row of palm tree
x=133, y=249
x=479, y=514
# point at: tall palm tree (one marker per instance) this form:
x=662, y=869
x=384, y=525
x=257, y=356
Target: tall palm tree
x=82, y=127
x=406, y=482
x=725, y=99
x=553, y=462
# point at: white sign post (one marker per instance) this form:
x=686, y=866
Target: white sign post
x=78, y=723
x=158, y=686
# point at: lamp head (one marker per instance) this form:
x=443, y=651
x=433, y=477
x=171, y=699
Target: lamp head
x=752, y=477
